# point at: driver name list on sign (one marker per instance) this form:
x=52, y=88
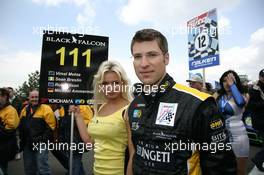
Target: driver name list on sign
x=64, y=81
x=77, y=80
x=58, y=73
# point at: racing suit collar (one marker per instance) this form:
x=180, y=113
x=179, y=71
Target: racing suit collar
x=166, y=84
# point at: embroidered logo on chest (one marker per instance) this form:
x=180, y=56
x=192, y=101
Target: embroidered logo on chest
x=137, y=113
x=166, y=114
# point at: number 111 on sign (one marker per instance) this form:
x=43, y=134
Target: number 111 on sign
x=74, y=52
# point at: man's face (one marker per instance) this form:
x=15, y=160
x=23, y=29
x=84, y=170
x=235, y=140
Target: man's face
x=33, y=97
x=196, y=85
x=149, y=61
x=261, y=79
x=11, y=92
x=3, y=100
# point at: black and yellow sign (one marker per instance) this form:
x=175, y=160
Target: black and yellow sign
x=68, y=64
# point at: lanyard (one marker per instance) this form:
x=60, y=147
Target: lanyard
x=224, y=101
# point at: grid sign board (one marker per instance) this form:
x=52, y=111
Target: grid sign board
x=203, y=47
x=68, y=64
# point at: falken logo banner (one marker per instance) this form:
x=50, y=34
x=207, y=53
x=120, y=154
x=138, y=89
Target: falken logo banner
x=166, y=114
x=203, y=46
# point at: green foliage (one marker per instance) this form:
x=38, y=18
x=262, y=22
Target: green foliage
x=33, y=80
x=29, y=85
x=21, y=94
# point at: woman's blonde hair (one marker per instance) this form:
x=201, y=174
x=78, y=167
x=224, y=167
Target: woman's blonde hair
x=99, y=97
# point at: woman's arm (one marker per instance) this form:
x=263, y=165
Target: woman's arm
x=239, y=99
x=131, y=148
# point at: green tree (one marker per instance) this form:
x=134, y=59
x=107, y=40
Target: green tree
x=30, y=84
x=22, y=92
x=33, y=80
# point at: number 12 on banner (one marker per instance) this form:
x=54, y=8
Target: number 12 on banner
x=74, y=52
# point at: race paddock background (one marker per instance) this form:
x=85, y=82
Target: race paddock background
x=15, y=167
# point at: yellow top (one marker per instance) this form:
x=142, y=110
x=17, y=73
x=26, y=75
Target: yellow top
x=110, y=137
x=9, y=117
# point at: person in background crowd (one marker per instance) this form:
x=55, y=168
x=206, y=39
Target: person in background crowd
x=59, y=113
x=256, y=106
x=36, y=127
x=11, y=94
x=232, y=100
x=12, y=100
x=9, y=121
x=167, y=113
x=107, y=129
x=196, y=82
x=60, y=154
x=209, y=88
x=65, y=135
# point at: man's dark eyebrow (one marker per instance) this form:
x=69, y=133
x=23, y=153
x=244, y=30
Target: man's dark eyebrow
x=137, y=54
x=151, y=51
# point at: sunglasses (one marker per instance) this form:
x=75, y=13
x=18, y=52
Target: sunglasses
x=34, y=97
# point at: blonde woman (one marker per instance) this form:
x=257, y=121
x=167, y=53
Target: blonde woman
x=107, y=129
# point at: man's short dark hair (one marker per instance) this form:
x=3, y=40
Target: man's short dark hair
x=150, y=35
x=10, y=88
x=261, y=73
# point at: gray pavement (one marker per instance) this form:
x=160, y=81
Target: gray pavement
x=16, y=166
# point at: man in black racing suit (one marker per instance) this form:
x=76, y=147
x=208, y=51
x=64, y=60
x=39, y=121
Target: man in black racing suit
x=173, y=129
